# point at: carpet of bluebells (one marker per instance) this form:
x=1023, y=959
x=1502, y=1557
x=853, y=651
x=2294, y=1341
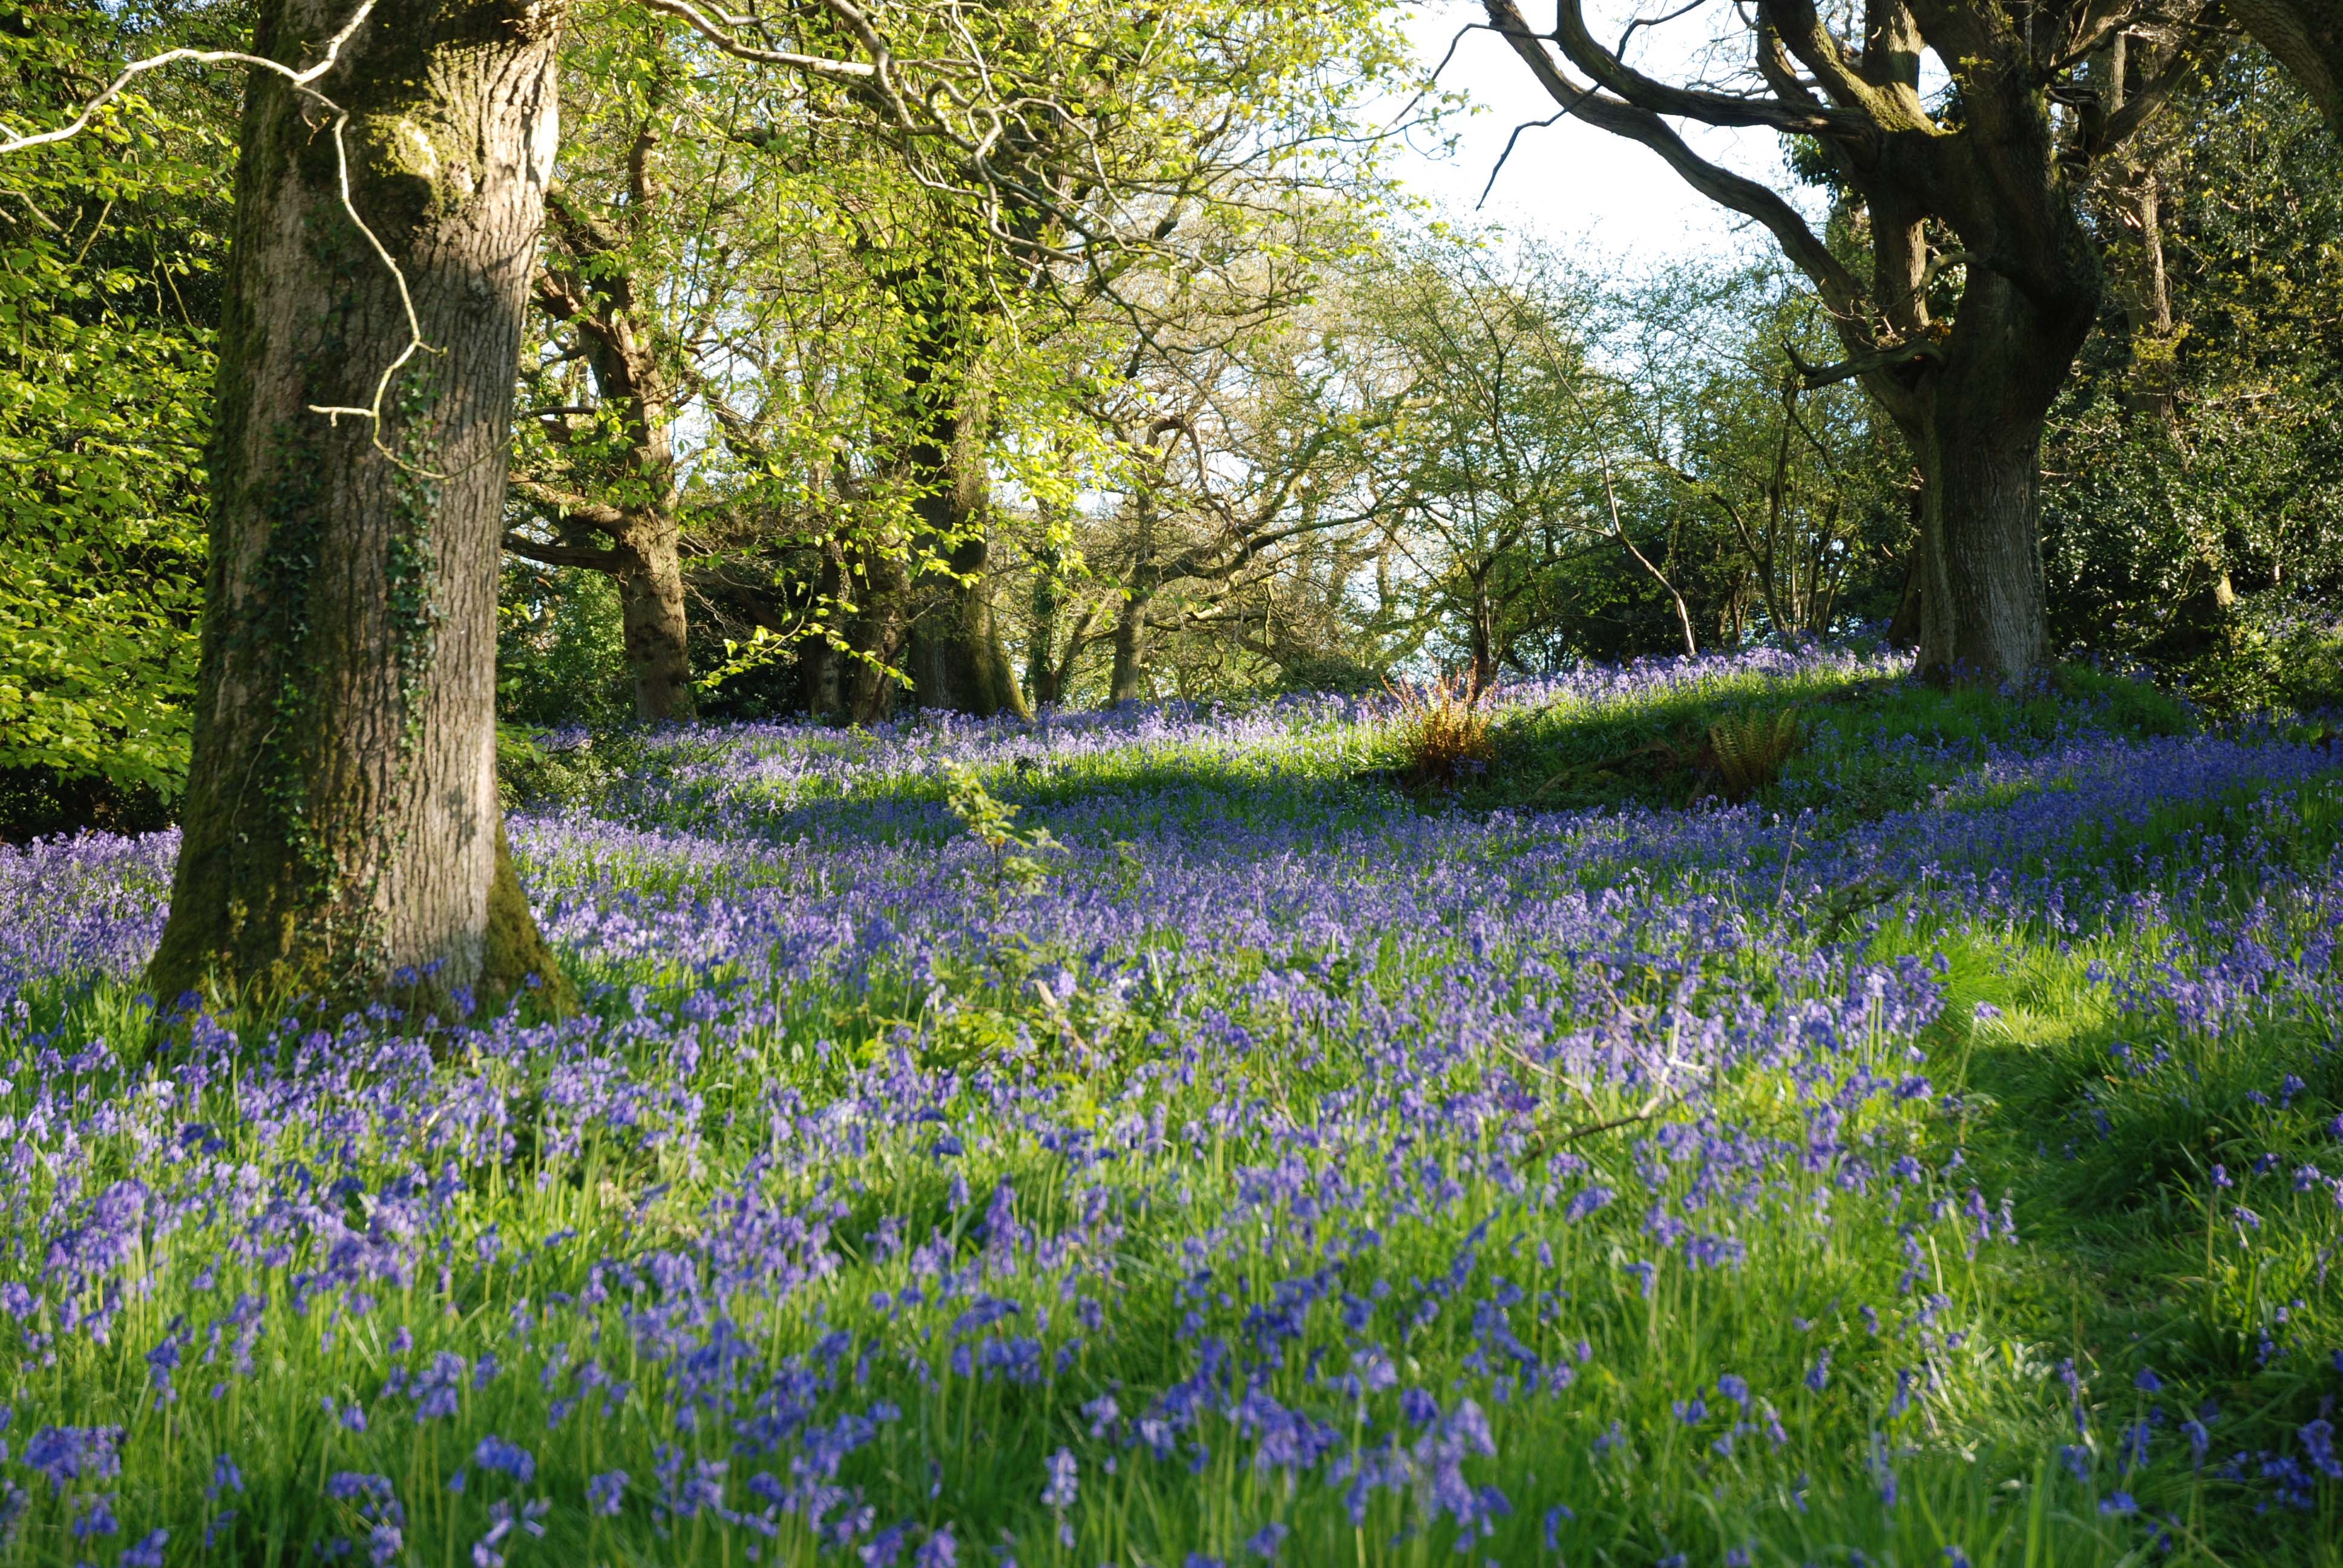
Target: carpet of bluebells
x=1936, y=1161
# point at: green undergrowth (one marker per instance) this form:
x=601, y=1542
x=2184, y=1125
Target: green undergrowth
x=2057, y=1075
x=1869, y=745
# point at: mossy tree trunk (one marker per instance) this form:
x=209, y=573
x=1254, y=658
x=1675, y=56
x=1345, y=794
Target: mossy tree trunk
x=1126, y=680
x=847, y=683
x=342, y=833
x=1982, y=413
x=953, y=650
x=956, y=658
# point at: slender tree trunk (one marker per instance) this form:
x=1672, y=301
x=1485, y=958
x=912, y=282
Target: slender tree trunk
x=817, y=660
x=651, y=609
x=2137, y=197
x=1484, y=659
x=1126, y=680
x=1041, y=642
x=341, y=825
x=591, y=281
x=2150, y=391
x=1981, y=417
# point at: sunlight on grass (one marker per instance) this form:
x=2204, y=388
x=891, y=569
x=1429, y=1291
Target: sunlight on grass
x=1275, y=1166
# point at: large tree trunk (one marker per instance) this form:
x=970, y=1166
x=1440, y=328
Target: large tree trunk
x=341, y=826
x=2306, y=36
x=1042, y=643
x=1981, y=416
x=866, y=693
x=957, y=658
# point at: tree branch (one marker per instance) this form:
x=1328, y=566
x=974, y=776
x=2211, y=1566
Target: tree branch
x=1840, y=291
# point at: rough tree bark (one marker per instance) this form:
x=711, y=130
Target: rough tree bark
x=341, y=827
x=956, y=659
x=1127, y=680
x=588, y=284
x=2307, y=38
x=848, y=685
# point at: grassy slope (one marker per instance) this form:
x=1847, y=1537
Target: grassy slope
x=2130, y=1258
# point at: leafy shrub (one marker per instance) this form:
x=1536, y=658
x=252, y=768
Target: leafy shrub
x=1013, y=856
x=1330, y=672
x=50, y=803
x=2284, y=658
x=543, y=767
x=561, y=655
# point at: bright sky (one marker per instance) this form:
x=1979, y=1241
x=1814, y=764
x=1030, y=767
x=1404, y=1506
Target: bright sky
x=1602, y=196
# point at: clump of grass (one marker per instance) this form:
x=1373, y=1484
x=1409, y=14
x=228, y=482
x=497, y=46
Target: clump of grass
x=1444, y=733
x=1749, y=750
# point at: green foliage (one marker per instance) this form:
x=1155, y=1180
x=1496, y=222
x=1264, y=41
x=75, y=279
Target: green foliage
x=542, y=767
x=107, y=244
x=1014, y=854
x=561, y=658
x=1850, y=744
x=2160, y=541
x=2271, y=655
x=1750, y=749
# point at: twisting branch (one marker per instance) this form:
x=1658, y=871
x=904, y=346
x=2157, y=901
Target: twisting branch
x=303, y=82
x=1893, y=356
x=719, y=31
x=300, y=80
x=1845, y=296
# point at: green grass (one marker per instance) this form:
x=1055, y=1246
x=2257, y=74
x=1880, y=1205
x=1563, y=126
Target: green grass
x=1413, y=1196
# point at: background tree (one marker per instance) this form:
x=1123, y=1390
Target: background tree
x=2196, y=527
x=1799, y=498
x=1983, y=279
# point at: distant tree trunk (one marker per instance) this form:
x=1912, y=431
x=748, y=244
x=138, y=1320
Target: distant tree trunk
x=2001, y=177
x=874, y=635
x=588, y=282
x=956, y=659
x=652, y=618
x=1040, y=646
x=1126, y=680
x=1981, y=416
x=2135, y=193
x=1483, y=674
x=341, y=825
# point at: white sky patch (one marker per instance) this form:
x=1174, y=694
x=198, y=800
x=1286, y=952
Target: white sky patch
x=1606, y=199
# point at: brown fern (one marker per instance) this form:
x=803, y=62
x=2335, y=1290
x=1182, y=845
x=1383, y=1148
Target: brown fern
x=1444, y=732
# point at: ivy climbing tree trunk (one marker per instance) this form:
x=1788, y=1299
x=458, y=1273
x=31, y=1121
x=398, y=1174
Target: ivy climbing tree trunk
x=342, y=834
